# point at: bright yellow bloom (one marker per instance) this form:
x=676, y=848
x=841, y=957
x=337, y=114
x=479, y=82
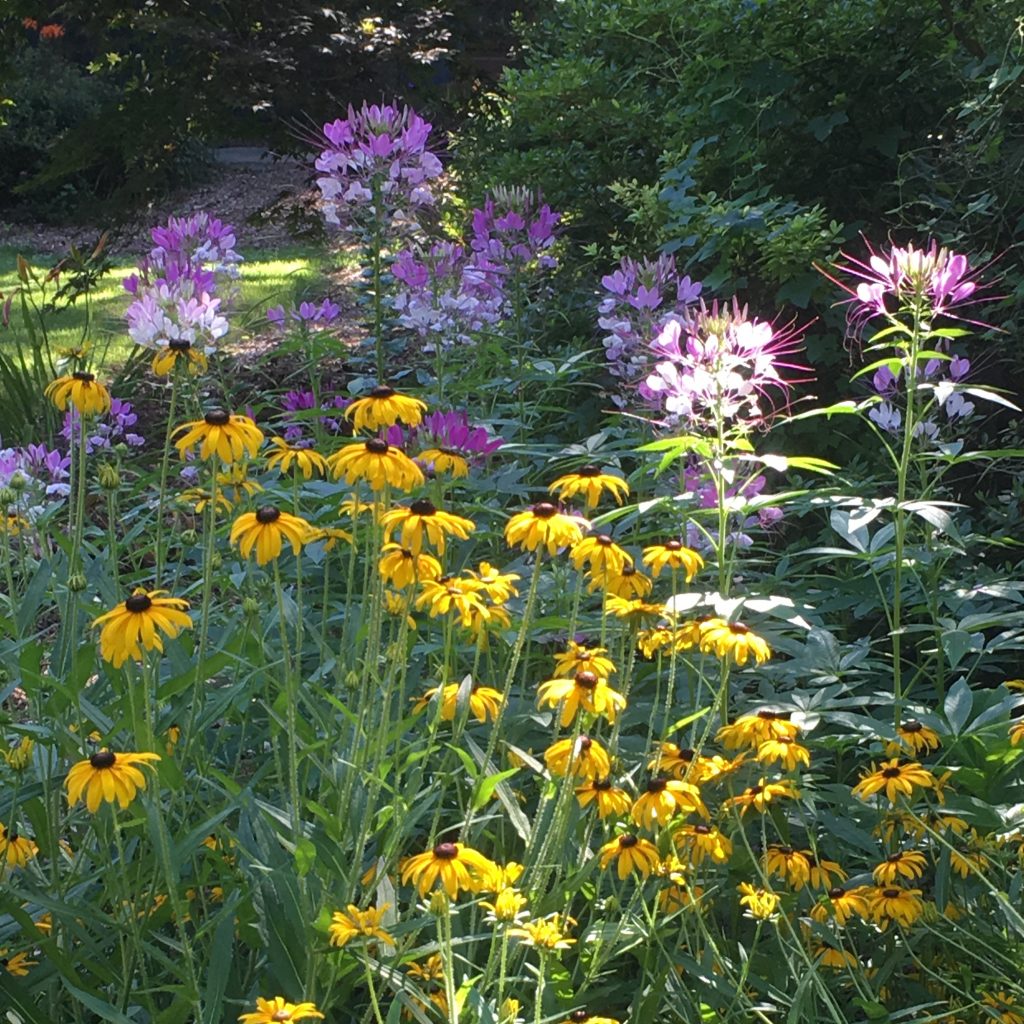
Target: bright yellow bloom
x=236, y=483
x=591, y=482
x=785, y=751
x=107, y=777
x=762, y=794
x=307, y=461
x=543, y=526
x=903, y=906
x=822, y=871
x=601, y=553
x=549, y=933
x=685, y=763
x=579, y=657
x=630, y=584
x=402, y=568
x=354, y=923
x=180, y=350
x=220, y=433
x=609, y=800
x=484, y=701
x=384, y=407
x=895, y=779
x=503, y=876
x=698, y=842
x=1017, y=733
x=663, y=799
x=631, y=853
x=733, y=640
x=964, y=862
x=787, y=863
x=15, y=850
x=905, y=864
x=1006, y=1009
x=676, y=638
x=454, y=865
x=16, y=965
x=498, y=586
x=842, y=904
x=448, y=594
x=20, y=757
x=444, y=460
x=753, y=730
x=832, y=956
x=422, y=519
x=761, y=903
x=138, y=622
x=583, y=757
x=354, y=508
x=585, y=690
x=915, y=737
x=634, y=609
x=278, y=1011
x=200, y=499
x=82, y=390
x=330, y=536
x=377, y=463
x=507, y=906
x=265, y=529
x=673, y=555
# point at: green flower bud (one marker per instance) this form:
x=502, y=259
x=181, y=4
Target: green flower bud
x=77, y=582
x=110, y=478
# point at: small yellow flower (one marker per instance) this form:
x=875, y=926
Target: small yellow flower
x=676, y=638
x=484, y=701
x=543, y=526
x=585, y=690
x=107, y=777
x=583, y=757
x=903, y=906
x=306, y=461
x=448, y=594
x=663, y=799
x=80, y=389
x=329, y=535
x=137, y=623
x=15, y=850
x=384, y=407
x=630, y=853
x=1005, y=1008
x=377, y=463
x=454, y=865
x=913, y=736
x=895, y=779
x=904, y=864
x=20, y=757
x=631, y=584
x=833, y=957
x=402, y=568
x=784, y=750
x=444, y=460
x=354, y=923
x=733, y=640
x=673, y=555
x=607, y=798
x=591, y=482
x=787, y=863
x=601, y=553
x=265, y=530
x=579, y=657
x=16, y=965
x=176, y=351
x=220, y=433
x=698, y=842
x=498, y=586
x=753, y=730
x=760, y=903
x=548, y=933
x=631, y=609
x=762, y=794
x=507, y=906
x=278, y=1011
x=842, y=904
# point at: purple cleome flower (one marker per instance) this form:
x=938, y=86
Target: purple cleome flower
x=514, y=229
x=112, y=428
x=296, y=429
x=40, y=475
x=306, y=313
x=449, y=431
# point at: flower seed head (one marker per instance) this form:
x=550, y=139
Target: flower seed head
x=217, y=418
x=103, y=759
x=267, y=514
x=138, y=603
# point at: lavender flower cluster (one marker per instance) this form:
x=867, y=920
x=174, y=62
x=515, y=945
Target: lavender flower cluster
x=36, y=477
x=296, y=428
x=305, y=314
x=943, y=375
x=113, y=427
x=450, y=432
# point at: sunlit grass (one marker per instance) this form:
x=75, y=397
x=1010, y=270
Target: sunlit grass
x=268, y=277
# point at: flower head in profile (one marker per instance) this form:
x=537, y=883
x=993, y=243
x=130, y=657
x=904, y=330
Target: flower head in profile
x=80, y=389
x=700, y=842
x=842, y=904
x=285, y=457
x=107, y=777
x=383, y=407
x=483, y=701
x=733, y=640
x=762, y=794
x=580, y=756
x=15, y=850
x=893, y=903
x=543, y=526
x=754, y=729
x=914, y=737
x=585, y=690
x=265, y=530
x=548, y=933
x=760, y=903
x=16, y=965
x=609, y=800
x=180, y=351
x=278, y=1010
x=402, y=568
x=579, y=657
x=591, y=482
x=353, y=923
x=674, y=555
x=221, y=433
x=137, y=623
x=454, y=865
x=663, y=799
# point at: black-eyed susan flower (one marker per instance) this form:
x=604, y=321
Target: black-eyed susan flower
x=15, y=850
x=966, y=862
x=199, y=499
x=179, y=350
x=630, y=853
x=760, y=903
x=498, y=586
x=609, y=800
x=673, y=555
x=445, y=460
x=631, y=609
x=454, y=865
x=895, y=778
x=506, y=908
x=681, y=894
x=580, y=756
x=549, y=933
x=402, y=567
x=591, y=482
x=789, y=864
x=833, y=957
x=378, y=464
x=700, y=842
x=236, y=483
x=107, y=777
x=892, y=903
x=80, y=389
x=265, y=530
x=137, y=623
x=753, y=730
x=663, y=799
x=579, y=658
x=913, y=736
x=685, y=763
x=503, y=876
x=353, y=923
x=278, y=1010
x=784, y=750
x=449, y=594
x=397, y=606
x=329, y=536
x=824, y=873
x=484, y=701
x=383, y=407
x=19, y=757
x=1004, y=1007
x=354, y=508
x=902, y=864
x=842, y=904
x=630, y=584
x=762, y=794
x=285, y=457
x=585, y=690
x=674, y=639
x=733, y=640
x=543, y=526
x=221, y=433
x=16, y=965
x=422, y=519
x=600, y=553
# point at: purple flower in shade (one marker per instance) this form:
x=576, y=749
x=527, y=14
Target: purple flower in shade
x=275, y=315
x=719, y=361
x=884, y=381
x=114, y=427
x=43, y=476
x=296, y=429
x=307, y=314
x=376, y=151
x=450, y=432
x=197, y=242
x=887, y=417
x=514, y=229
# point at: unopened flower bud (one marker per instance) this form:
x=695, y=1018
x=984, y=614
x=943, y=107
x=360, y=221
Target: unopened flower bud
x=18, y=482
x=251, y=606
x=7, y=497
x=109, y=477
x=216, y=560
x=77, y=582
x=189, y=536
x=439, y=903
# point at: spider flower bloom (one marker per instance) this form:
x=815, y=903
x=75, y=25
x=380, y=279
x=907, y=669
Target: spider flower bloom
x=760, y=903
x=663, y=799
x=914, y=736
x=753, y=730
x=582, y=757
x=894, y=778
x=402, y=568
x=180, y=350
x=107, y=777
x=278, y=1011
x=454, y=865
x=892, y=903
x=265, y=529
x=220, y=433
x=903, y=864
x=378, y=463
x=591, y=482
x=384, y=407
x=601, y=553
x=733, y=639
x=585, y=690
x=306, y=461
x=842, y=904
x=15, y=850
x=138, y=622
x=80, y=389
x=609, y=799
x=700, y=842
x=673, y=555
x=354, y=923
x=630, y=854
x=422, y=519
x=548, y=933
x=484, y=701
x=543, y=525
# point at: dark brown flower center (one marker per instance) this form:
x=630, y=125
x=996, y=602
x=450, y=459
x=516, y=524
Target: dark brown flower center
x=381, y=391
x=629, y=570
x=604, y=540
x=891, y=773
x=579, y=1016
x=544, y=510
x=179, y=344
x=702, y=830
x=377, y=446
x=768, y=716
x=138, y=603
x=911, y=725
x=892, y=894
x=625, y=842
x=267, y=514
x=603, y=785
x=673, y=545
x=585, y=744
x=84, y=376
x=738, y=628
x=657, y=785
x=589, y=471
x=217, y=418
x=103, y=759
x=446, y=851
x=282, y=1015
x=586, y=680
x=686, y=754
x=422, y=507
x=836, y=893
x=895, y=858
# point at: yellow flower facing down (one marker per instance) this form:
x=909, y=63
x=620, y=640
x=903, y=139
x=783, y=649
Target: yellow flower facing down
x=904, y=864
x=378, y=464
x=15, y=850
x=789, y=864
x=1017, y=733
x=610, y=801
x=179, y=350
x=578, y=657
x=200, y=498
x=454, y=865
x=895, y=779
x=402, y=567
x=686, y=764
x=675, y=639
x=20, y=757
x=631, y=853
x=449, y=594
x=601, y=554
x=833, y=957
x=137, y=623
x=632, y=609
x=278, y=1010
x=383, y=407
x=507, y=906
x=591, y=482
x=543, y=526
x=585, y=690
x=1005, y=1008
x=221, y=433
x=484, y=701
x=285, y=457
x=673, y=555
x=353, y=923
x=733, y=640
x=892, y=903
x=498, y=586
x=842, y=904
x=330, y=536
x=663, y=799
x=784, y=750
x=549, y=933
x=265, y=530
x=760, y=903
x=107, y=777
x=631, y=584
x=915, y=737
x=753, y=730
x=583, y=757
x=80, y=389
x=423, y=520
x=444, y=460
x=762, y=794
x=700, y=842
